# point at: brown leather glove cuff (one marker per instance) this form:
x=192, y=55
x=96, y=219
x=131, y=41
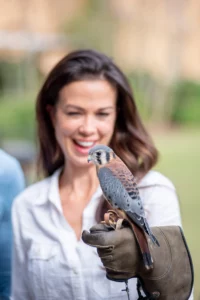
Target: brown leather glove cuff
x=172, y=275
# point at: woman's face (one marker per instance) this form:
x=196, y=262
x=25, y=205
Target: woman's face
x=84, y=116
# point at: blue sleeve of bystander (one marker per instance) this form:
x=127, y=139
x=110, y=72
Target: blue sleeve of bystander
x=11, y=184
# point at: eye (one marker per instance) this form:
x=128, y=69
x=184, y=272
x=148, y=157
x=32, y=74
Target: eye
x=98, y=153
x=72, y=113
x=103, y=114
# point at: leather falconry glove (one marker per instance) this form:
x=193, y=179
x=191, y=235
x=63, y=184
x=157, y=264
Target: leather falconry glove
x=172, y=273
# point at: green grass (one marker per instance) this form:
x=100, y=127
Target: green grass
x=180, y=161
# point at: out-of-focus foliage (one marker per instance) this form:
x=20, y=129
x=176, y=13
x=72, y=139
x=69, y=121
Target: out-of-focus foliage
x=93, y=27
x=153, y=97
x=186, y=103
x=9, y=72
x=17, y=118
x=177, y=103
x=19, y=77
x=18, y=80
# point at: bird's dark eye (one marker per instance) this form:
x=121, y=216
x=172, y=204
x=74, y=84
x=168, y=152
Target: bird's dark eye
x=98, y=153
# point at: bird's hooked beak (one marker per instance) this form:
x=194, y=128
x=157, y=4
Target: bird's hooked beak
x=89, y=158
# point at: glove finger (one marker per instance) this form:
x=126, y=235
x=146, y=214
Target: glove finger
x=107, y=261
x=97, y=239
x=100, y=227
x=102, y=252
x=112, y=266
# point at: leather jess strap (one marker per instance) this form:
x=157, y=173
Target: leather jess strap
x=113, y=219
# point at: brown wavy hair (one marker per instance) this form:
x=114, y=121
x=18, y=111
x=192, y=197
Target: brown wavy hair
x=130, y=140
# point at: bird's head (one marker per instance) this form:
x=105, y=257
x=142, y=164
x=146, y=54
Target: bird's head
x=101, y=155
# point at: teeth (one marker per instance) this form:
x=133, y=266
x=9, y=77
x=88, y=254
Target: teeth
x=85, y=144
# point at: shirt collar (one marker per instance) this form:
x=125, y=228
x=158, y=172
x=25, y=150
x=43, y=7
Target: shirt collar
x=54, y=197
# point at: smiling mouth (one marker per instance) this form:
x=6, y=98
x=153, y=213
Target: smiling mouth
x=84, y=144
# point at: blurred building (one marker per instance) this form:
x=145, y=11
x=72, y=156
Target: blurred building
x=34, y=27
x=161, y=37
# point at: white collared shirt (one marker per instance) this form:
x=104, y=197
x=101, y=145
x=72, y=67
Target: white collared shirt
x=48, y=261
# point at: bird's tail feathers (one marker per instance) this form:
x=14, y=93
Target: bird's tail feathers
x=148, y=261
x=152, y=237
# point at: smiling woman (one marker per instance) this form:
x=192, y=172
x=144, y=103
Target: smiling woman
x=85, y=100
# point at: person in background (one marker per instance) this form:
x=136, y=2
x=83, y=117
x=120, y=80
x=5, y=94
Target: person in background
x=85, y=100
x=11, y=184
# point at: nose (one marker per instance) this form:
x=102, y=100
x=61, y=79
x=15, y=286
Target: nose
x=88, y=127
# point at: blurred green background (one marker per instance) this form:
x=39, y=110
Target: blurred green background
x=180, y=161
x=157, y=44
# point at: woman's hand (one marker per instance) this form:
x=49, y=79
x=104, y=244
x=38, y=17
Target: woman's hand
x=117, y=249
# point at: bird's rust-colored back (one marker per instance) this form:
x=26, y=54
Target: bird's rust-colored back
x=121, y=171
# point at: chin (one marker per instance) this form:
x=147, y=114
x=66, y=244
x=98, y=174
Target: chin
x=80, y=162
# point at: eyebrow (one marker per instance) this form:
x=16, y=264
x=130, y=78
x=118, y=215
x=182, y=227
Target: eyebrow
x=72, y=106
x=80, y=108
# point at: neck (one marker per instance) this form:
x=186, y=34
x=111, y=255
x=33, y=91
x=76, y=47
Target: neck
x=81, y=182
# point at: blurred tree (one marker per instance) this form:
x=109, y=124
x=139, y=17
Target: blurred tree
x=17, y=78
x=153, y=96
x=17, y=118
x=186, y=103
x=93, y=27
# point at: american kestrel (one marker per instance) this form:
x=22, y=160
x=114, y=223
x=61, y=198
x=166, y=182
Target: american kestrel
x=120, y=190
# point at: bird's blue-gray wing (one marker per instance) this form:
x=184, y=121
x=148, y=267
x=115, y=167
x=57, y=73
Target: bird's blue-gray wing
x=121, y=191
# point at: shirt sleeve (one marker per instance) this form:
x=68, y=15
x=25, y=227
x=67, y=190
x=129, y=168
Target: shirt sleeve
x=12, y=182
x=17, y=180
x=162, y=206
x=19, y=285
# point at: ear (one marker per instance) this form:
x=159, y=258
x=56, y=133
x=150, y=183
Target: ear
x=51, y=111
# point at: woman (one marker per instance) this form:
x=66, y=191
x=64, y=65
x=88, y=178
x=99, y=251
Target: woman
x=85, y=100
